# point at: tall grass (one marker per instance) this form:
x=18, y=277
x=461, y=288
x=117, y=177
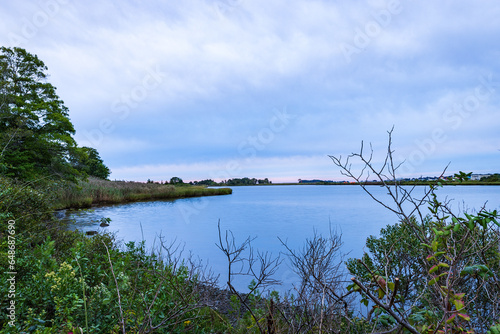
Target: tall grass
x=97, y=191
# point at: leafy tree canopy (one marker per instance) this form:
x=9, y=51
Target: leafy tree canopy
x=241, y=182
x=176, y=180
x=87, y=160
x=35, y=129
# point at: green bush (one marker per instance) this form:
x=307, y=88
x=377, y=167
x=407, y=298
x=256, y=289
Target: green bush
x=26, y=205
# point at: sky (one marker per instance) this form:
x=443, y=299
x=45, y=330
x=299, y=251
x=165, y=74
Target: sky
x=223, y=89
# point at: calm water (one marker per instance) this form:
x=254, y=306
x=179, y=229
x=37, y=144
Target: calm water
x=291, y=213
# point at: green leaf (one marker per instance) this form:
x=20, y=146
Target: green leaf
x=464, y=316
x=433, y=281
x=426, y=245
x=451, y=318
x=381, y=293
x=459, y=304
x=433, y=269
x=434, y=245
x=479, y=269
x=484, y=223
x=470, y=224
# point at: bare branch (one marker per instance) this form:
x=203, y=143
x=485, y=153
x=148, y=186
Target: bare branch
x=385, y=307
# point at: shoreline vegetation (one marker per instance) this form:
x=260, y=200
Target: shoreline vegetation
x=96, y=191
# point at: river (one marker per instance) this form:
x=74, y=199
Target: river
x=290, y=212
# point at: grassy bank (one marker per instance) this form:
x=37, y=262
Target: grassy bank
x=97, y=191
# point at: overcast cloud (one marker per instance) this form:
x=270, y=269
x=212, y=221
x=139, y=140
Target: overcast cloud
x=232, y=88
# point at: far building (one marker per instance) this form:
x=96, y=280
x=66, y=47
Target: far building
x=477, y=177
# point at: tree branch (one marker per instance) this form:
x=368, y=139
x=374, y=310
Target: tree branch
x=385, y=307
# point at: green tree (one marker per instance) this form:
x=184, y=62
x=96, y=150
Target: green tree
x=35, y=130
x=88, y=161
x=208, y=182
x=265, y=181
x=242, y=182
x=176, y=180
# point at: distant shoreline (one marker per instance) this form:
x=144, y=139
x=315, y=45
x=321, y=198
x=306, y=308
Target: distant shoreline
x=470, y=183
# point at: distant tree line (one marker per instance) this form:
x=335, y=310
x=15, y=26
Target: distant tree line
x=233, y=182
x=209, y=182
x=491, y=178
x=174, y=181
x=246, y=181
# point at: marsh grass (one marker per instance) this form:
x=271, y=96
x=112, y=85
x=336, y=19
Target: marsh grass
x=97, y=191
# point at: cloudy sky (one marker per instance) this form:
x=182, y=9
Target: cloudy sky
x=232, y=88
